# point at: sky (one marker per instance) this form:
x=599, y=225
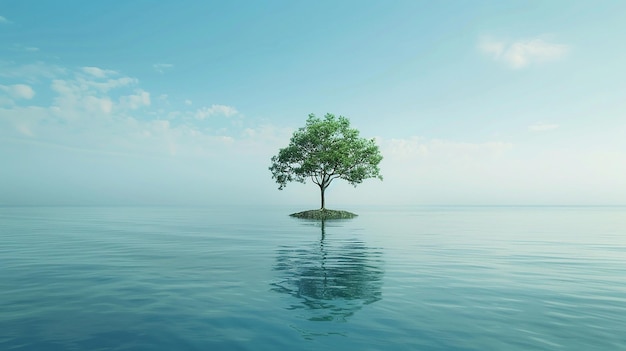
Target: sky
x=183, y=103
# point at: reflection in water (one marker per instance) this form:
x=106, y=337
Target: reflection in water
x=331, y=279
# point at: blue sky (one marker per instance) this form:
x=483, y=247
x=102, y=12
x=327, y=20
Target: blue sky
x=184, y=103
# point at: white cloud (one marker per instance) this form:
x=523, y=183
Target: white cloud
x=90, y=78
x=114, y=83
x=542, y=127
x=62, y=87
x=188, y=102
x=98, y=72
x=223, y=110
x=139, y=99
x=268, y=133
x=161, y=67
x=4, y=20
x=95, y=104
x=95, y=94
x=492, y=47
x=521, y=53
x=25, y=120
x=6, y=101
x=103, y=86
x=32, y=72
x=19, y=91
x=100, y=110
x=441, y=149
x=25, y=129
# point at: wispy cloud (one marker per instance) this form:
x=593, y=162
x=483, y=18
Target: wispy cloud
x=31, y=72
x=4, y=20
x=18, y=91
x=416, y=147
x=139, y=99
x=521, y=53
x=440, y=169
x=99, y=72
x=112, y=112
x=542, y=127
x=94, y=78
x=24, y=48
x=161, y=67
x=215, y=110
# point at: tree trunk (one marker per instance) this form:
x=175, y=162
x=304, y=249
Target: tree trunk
x=322, y=193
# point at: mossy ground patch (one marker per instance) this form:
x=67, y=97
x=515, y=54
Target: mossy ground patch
x=324, y=214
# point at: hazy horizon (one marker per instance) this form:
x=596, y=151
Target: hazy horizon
x=471, y=104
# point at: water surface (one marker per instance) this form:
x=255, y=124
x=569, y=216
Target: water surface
x=443, y=278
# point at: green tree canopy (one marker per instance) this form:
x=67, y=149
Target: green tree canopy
x=324, y=150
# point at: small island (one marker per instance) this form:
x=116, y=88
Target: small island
x=324, y=214
x=322, y=151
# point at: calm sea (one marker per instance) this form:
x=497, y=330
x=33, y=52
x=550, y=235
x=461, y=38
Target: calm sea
x=440, y=278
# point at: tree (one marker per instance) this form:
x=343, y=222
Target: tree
x=324, y=150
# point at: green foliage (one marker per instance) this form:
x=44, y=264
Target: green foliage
x=324, y=150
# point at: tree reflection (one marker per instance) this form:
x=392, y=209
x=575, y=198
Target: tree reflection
x=330, y=279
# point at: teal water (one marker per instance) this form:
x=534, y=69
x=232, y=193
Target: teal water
x=447, y=278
